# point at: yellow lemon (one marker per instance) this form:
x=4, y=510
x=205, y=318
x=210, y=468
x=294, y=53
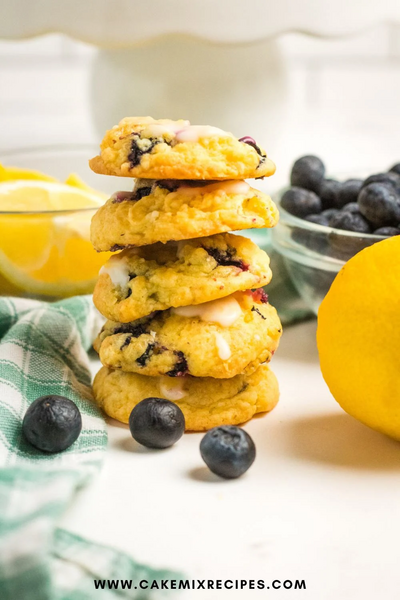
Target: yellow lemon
x=358, y=337
x=44, y=238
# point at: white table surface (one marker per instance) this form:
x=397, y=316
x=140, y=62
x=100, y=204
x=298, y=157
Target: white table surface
x=320, y=503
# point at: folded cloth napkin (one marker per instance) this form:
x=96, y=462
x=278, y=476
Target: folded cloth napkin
x=43, y=351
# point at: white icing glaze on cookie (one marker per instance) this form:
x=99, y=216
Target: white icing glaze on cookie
x=117, y=270
x=224, y=311
x=224, y=351
x=194, y=133
x=183, y=131
x=171, y=388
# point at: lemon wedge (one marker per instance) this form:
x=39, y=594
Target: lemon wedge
x=15, y=173
x=75, y=181
x=28, y=196
x=45, y=248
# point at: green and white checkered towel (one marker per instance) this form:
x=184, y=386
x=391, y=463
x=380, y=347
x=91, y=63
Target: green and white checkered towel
x=43, y=351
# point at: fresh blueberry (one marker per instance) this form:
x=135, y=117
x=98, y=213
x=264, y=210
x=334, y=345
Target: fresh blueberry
x=395, y=169
x=156, y=423
x=351, y=207
x=308, y=172
x=300, y=203
x=391, y=178
x=318, y=219
x=329, y=192
x=387, y=231
x=52, y=423
x=348, y=192
x=380, y=204
x=228, y=451
x=329, y=213
x=350, y=222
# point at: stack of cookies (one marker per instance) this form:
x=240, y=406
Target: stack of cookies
x=188, y=319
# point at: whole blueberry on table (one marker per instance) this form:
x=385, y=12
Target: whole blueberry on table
x=380, y=204
x=300, y=202
x=308, y=172
x=395, y=169
x=348, y=192
x=329, y=193
x=391, y=178
x=318, y=219
x=350, y=221
x=228, y=451
x=52, y=423
x=387, y=231
x=156, y=423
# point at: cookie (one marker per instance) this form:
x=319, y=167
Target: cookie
x=206, y=403
x=162, y=211
x=217, y=339
x=138, y=281
x=164, y=149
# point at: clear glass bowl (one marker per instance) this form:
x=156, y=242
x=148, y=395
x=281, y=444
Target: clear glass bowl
x=47, y=254
x=314, y=254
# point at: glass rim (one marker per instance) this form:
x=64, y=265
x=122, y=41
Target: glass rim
x=48, y=148
x=316, y=228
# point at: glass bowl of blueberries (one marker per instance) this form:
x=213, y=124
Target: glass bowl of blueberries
x=324, y=222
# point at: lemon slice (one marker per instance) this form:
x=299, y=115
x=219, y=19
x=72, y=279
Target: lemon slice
x=75, y=181
x=25, y=195
x=47, y=252
x=15, y=173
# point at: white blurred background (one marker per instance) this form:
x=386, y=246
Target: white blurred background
x=341, y=98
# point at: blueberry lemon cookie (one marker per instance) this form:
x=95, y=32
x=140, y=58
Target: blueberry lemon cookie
x=138, y=281
x=164, y=149
x=161, y=211
x=188, y=318
x=219, y=339
x=205, y=402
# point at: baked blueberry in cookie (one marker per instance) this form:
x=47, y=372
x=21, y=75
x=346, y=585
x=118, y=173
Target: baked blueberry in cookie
x=227, y=258
x=219, y=339
x=138, y=281
x=164, y=149
x=171, y=213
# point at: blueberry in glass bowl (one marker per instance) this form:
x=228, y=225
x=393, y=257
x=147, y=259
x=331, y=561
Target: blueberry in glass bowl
x=323, y=225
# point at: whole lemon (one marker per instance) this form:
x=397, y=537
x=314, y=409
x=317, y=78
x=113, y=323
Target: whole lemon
x=358, y=337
